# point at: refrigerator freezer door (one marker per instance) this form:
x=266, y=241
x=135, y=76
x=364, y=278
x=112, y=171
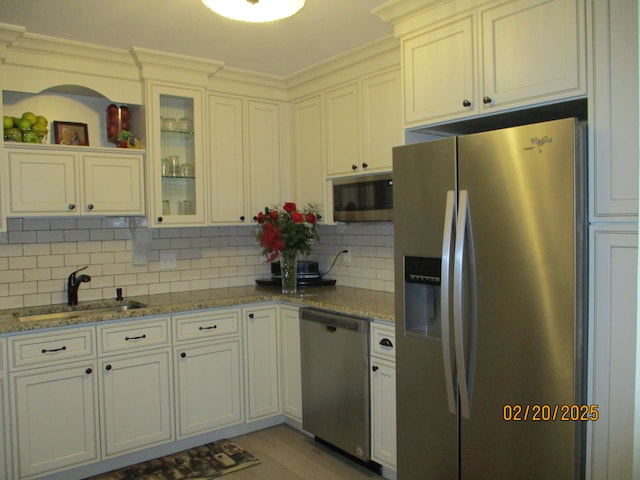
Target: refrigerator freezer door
x=521, y=190
x=427, y=433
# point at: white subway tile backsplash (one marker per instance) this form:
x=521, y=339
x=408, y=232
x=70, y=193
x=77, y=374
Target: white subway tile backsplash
x=64, y=247
x=37, y=274
x=37, y=255
x=20, y=263
x=76, y=235
x=77, y=260
x=50, y=236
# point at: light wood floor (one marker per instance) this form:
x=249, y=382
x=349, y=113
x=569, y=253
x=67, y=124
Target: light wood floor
x=287, y=454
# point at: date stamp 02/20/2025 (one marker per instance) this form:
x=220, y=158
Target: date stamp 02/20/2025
x=549, y=413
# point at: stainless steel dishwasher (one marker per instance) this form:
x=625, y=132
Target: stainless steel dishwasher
x=335, y=380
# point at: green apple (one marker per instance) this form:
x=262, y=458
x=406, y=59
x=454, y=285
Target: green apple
x=8, y=122
x=30, y=117
x=23, y=125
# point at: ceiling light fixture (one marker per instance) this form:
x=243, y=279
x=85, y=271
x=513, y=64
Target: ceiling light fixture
x=255, y=10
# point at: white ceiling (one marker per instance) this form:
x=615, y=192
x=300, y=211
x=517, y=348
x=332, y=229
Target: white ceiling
x=322, y=29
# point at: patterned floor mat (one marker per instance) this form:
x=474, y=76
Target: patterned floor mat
x=200, y=463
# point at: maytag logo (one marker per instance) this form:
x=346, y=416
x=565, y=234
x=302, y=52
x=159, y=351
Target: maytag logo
x=539, y=142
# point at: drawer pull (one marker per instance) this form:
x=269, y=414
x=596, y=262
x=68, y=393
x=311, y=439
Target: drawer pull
x=385, y=342
x=208, y=328
x=139, y=337
x=53, y=350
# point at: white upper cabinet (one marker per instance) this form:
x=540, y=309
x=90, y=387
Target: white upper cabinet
x=246, y=151
x=613, y=115
x=264, y=155
x=61, y=182
x=439, y=75
x=343, y=130
x=308, y=148
x=532, y=51
x=496, y=57
x=363, y=124
x=176, y=155
x=381, y=120
x=227, y=160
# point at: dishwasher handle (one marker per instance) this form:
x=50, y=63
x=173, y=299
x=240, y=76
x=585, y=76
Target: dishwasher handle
x=334, y=321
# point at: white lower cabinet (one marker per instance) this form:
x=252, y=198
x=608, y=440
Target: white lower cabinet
x=613, y=294
x=54, y=401
x=136, y=401
x=54, y=418
x=383, y=395
x=261, y=343
x=5, y=463
x=208, y=375
x=135, y=386
x=291, y=378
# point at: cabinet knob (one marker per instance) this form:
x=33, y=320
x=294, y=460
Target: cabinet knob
x=466, y=103
x=374, y=368
x=251, y=315
x=354, y=167
x=88, y=371
x=365, y=165
x=159, y=219
x=71, y=206
x=486, y=100
x=255, y=218
x=90, y=206
x=183, y=355
x=242, y=218
x=107, y=367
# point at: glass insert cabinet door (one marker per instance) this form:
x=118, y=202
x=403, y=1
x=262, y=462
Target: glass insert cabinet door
x=178, y=157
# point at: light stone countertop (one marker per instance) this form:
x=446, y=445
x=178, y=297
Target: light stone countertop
x=372, y=304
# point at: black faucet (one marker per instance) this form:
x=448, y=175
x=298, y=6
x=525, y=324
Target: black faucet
x=73, y=283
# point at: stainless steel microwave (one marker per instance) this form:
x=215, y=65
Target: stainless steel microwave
x=363, y=199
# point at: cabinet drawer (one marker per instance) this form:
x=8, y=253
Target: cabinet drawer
x=197, y=326
x=133, y=335
x=52, y=347
x=383, y=341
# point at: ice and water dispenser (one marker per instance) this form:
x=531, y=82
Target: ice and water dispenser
x=422, y=297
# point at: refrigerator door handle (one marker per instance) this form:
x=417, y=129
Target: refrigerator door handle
x=464, y=238
x=447, y=239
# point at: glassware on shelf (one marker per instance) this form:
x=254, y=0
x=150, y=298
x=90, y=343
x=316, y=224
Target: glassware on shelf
x=185, y=125
x=187, y=170
x=169, y=124
x=166, y=167
x=186, y=207
x=174, y=166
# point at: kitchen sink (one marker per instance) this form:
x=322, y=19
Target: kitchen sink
x=55, y=312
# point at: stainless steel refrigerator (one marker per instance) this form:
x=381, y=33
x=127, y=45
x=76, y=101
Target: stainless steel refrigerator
x=490, y=292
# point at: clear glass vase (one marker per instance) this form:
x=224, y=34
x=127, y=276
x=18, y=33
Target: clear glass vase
x=289, y=270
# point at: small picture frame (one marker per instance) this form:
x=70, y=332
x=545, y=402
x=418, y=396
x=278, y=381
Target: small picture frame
x=70, y=133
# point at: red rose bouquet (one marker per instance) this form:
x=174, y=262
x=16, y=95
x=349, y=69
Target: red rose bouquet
x=286, y=229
